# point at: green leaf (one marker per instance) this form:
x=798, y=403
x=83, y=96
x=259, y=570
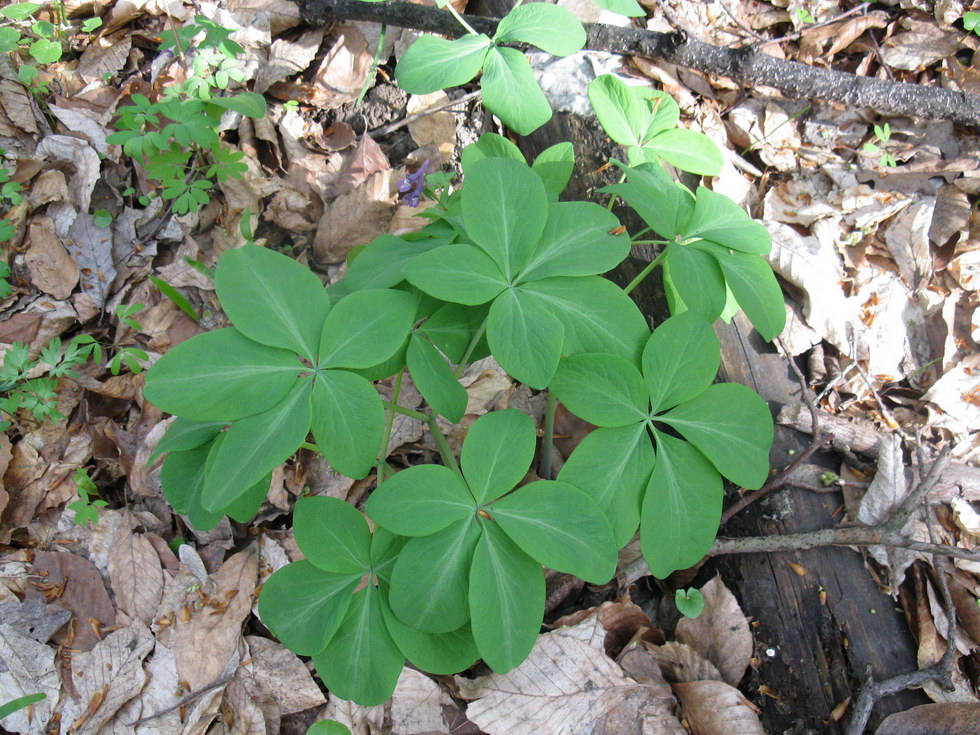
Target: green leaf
x=179, y=300
x=660, y=201
x=577, y=241
x=688, y=150
x=332, y=534
x=303, y=605
x=690, y=602
x=330, y=727
x=971, y=20
x=555, y=165
x=613, y=466
x=435, y=380
x=680, y=360
x=244, y=508
x=731, y=425
x=489, y=145
x=696, y=278
x=421, y=500
x=629, y=8
x=440, y=565
x=20, y=11
x=497, y=453
x=380, y=263
x=558, y=525
x=662, y=110
x=433, y=63
x=366, y=328
x=623, y=114
x=44, y=51
x=458, y=273
x=507, y=590
x=605, y=390
x=525, y=338
x=549, y=27
x=598, y=315
x=361, y=662
x=256, y=445
x=249, y=104
x=220, y=376
x=8, y=708
x=436, y=653
x=182, y=478
x=452, y=327
x=681, y=508
x=754, y=287
x=511, y=91
x=348, y=421
x=720, y=220
x=505, y=208
x=185, y=434
x=272, y=299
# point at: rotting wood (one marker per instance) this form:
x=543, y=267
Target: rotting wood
x=744, y=65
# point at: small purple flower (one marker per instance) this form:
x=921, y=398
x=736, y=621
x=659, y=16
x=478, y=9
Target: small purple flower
x=412, y=185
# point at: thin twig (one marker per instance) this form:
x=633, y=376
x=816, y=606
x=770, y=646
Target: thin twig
x=409, y=119
x=190, y=697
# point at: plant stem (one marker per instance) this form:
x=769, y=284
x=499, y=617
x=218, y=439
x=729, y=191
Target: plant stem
x=383, y=449
x=641, y=232
x=461, y=19
x=311, y=447
x=470, y=347
x=548, y=440
x=614, y=197
x=445, y=451
x=651, y=242
x=407, y=411
x=645, y=272
x=374, y=65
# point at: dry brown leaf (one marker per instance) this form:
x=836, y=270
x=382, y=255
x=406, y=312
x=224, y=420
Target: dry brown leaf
x=287, y=58
x=135, y=573
x=922, y=45
x=85, y=160
x=107, y=677
x=360, y=720
x=91, y=247
x=354, y=218
x=27, y=667
x=950, y=216
x=367, y=159
x=49, y=186
x=932, y=646
x=419, y=706
x=345, y=67
x=715, y=708
x=681, y=663
x=280, y=14
x=721, y=633
x=281, y=673
x=34, y=618
x=207, y=641
x=848, y=31
x=106, y=55
x=51, y=269
x=248, y=707
x=81, y=591
x=932, y=719
x=907, y=238
x=17, y=104
x=6, y=452
x=436, y=131
x=566, y=684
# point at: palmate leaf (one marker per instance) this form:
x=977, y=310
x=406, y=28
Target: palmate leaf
x=348, y=421
x=256, y=445
x=622, y=112
x=613, y=466
x=680, y=360
x=497, y=453
x=661, y=202
x=332, y=534
x=549, y=27
x=507, y=589
x=185, y=434
x=681, y=507
x=605, y=390
x=462, y=274
x=221, y=376
x=436, y=653
x=250, y=285
x=361, y=662
x=687, y=150
x=732, y=427
x=433, y=63
x=695, y=278
x=720, y=220
x=304, y=605
x=440, y=565
x=511, y=91
x=366, y=328
x=421, y=500
x=525, y=337
x=555, y=165
x=379, y=264
x=561, y=527
x=435, y=380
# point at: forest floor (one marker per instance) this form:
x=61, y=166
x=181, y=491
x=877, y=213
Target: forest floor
x=876, y=243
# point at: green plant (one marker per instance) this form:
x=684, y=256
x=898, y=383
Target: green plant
x=9, y=194
x=690, y=602
x=86, y=509
x=328, y=727
x=175, y=138
x=8, y=708
x=502, y=268
x=882, y=134
x=510, y=90
x=971, y=21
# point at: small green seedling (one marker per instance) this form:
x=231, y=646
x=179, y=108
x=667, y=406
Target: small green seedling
x=130, y=356
x=690, y=602
x=971, y=21
x=805, y=16
x=882, y=134
x=86, y=509
x=8, y=708
x=101, y=218
x=328, y=727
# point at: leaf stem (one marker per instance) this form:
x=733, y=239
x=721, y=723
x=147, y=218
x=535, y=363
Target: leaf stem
x=383, y=449
x=651, y=242
x=548, y=440
x=407, y=411
x=312, y=447
x=374, y=65
x=461, y=367
x=645, y=272
x=445, y=451
x=461, y=19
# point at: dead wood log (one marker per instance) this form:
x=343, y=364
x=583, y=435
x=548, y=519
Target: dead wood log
x=744, y=65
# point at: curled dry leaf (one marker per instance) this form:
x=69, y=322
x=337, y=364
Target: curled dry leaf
x=82, y=156
x=681, y=663
x=354, y=218
x=27, y=667
x=135, y=573
x=287, y=58
x=91, y=247
x=923, y=44
x=283, y=676
x=928, y=719
x=419, y=706
x=51, y=269
x=16, y=102
x=715, y=708
x=721, y=633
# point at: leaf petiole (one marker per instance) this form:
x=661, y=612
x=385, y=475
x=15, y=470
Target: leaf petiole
x=645, y=272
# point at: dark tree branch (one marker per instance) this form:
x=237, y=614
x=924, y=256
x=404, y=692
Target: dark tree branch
x=743, y=65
